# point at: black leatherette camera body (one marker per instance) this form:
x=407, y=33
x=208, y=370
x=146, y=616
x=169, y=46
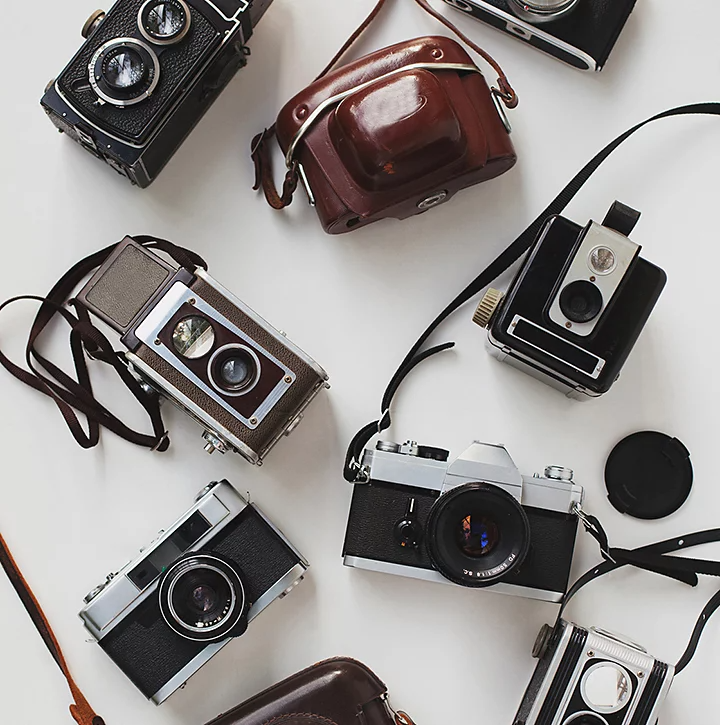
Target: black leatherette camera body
x=377, y=507
x=138, y=140
x=583, y=38
x=535, y=287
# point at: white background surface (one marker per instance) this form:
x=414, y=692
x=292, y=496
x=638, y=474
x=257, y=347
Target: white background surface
x=357, y=303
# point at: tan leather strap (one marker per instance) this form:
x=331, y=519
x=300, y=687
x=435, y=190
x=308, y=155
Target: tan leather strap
x=81, y=711
x=261, y=149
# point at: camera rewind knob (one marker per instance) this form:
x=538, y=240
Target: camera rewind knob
x=486, y=309
x=91, y=24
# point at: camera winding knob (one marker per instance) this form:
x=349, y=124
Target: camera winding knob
x=486, y=309
x=92, y=23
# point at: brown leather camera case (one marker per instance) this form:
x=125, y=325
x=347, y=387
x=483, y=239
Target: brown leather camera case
x=400, y=145
x=334, y=692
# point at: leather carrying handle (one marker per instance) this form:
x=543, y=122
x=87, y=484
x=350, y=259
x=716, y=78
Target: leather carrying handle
x=80, y=710
x=352, y=470
x=261, y=148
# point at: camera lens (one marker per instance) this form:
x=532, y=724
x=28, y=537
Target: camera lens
x=124, y=68
x=477, y=534
x=234, y=369
x=541, y=11
x=202, y=597
x=164, y=21
x=581, y=301
x=193, y=337
x=124, y=71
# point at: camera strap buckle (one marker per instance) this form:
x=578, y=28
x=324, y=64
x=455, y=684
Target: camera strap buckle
x=399, y=717
x=594, y=528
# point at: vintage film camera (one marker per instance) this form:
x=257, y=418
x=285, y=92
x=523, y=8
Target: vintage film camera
x=195, y=343
x=578, y=305
x=592, y=677
x=579, y=32
x=146, y=75
x=164, y=615
x=476, y=522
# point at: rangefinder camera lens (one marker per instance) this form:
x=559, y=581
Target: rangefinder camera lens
x=234, y=369
x=193, y=337
x=164, y=21
x=581, y=301
x=602, y=260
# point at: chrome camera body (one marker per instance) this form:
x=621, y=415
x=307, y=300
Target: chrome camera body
x=472, y=522
x=194, y=589
x=146, y=74
x=593, y=677
x=576, y=308
x=195, y=343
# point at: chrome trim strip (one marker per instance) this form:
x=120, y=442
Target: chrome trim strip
x=149, y=330
x=245, y=4
x=598, y=367
x=282, y=585
x=532, y=30
x=362, y=86
x=431, y=575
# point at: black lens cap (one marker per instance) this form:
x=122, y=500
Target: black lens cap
x=648, y=475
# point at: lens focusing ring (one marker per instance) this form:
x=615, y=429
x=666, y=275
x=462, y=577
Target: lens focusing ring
x=175, y=600
x=155, y=11
x=503, y=535
x=141, y=83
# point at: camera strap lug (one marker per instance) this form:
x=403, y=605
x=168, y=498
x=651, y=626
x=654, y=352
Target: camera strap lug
x=400, y=717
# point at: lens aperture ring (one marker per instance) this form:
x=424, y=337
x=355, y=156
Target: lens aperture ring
x=124, y=71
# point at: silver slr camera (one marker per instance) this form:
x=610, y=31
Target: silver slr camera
x=164, y=615
x=593, y=677
x=198, y=345
x=476, y=522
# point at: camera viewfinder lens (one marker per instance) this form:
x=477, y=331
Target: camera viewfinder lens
x=164, y=21
x=602, y=260
x=193, y=337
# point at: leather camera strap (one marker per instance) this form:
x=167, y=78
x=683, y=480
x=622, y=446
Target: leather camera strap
x=353, y=470
x=81, y=711
x=657, y=558
x=76, y=394
x=261, y=148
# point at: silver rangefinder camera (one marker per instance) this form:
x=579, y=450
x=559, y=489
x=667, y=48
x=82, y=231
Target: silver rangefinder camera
x=593, y=677
x=164, y=615
x=472, y=522
x=195, y=343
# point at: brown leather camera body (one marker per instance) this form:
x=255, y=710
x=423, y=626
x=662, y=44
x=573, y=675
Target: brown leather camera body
x=395, y=133
x=339, y=691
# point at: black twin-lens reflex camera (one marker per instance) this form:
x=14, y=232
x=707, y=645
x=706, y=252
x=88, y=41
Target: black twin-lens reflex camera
x=145, y=76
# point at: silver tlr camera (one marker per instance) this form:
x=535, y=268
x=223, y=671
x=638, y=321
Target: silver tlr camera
x=593, y=677
x=195, y=343
x=164, y=615
x=472, y=522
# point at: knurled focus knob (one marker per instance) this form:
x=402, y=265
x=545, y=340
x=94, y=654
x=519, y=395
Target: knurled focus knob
x=92, y=22
x=486, y=309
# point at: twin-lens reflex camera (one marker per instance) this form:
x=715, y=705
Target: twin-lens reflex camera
x=592, y=677
x=581, y=33
x=164, y=615
x=196, y=344
x=148, y=71
x=577, y=306
x=476, y=522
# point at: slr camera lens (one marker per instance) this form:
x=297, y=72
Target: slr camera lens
x=581, y=301
x=164, y=21
x=202, y=598
x=234, y=369
x=124, y=72
x=477, y=534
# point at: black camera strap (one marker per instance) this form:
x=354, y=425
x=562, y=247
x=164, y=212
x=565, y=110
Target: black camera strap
x=353, y=471
x=76, y=394
x=656, y=558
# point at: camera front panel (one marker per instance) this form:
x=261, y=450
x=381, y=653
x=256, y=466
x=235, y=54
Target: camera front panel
x=378, y=508
x=582, y=37
x=523, y=325
x=157, y=659
x=284, y=379
x=124, y=81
